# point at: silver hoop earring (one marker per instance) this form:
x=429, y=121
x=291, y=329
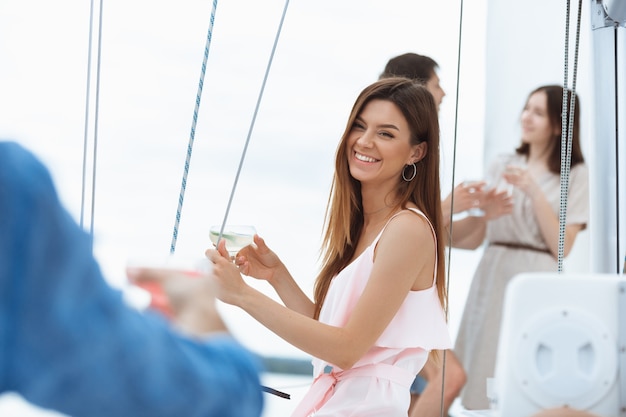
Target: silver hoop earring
x=412, y=176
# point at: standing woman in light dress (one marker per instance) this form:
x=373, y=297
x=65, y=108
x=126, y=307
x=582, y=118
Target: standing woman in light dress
x=527, y=239
x=379, y=297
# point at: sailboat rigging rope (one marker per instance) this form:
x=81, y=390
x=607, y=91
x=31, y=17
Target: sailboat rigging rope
x=86, y=135
x=567, y=129
x=192, y=135
x=87, y=99
x=256, y=110
x=243, y=156
x=456, y=118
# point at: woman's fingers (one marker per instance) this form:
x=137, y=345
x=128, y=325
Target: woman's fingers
x=221, y=248
x=213, y=255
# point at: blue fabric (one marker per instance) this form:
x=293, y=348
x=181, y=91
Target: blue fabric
x=419, y=385
x=69, y=343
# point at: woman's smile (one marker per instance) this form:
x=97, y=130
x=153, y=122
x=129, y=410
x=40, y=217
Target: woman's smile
x=364, y=158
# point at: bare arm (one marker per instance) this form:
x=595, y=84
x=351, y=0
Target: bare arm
x=292, y=295
x=549, y=225
x=395, y=272
x=258, y=261
x=468, y=233
x=547, y=219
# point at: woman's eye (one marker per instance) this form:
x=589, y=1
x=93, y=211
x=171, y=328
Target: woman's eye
x=386, y=134
x=358, y=125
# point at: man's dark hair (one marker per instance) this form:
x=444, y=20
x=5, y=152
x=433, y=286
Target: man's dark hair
x=410, y=65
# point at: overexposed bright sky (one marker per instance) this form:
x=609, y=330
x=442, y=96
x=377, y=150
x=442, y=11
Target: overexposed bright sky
x=151, y=55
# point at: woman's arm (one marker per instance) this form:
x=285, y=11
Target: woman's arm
x=549, y=225
x=468, y=233
x=395, y=272
x=547, y=219
x=259, y=262
x=292, y=295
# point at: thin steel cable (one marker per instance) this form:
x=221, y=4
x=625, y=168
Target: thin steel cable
x=454, y=142
x=256, y=110
x=563, y=127
x=86, y=130
x=95, y=129
x=87, y=99
x=456, y=118
x=192, y=135
x=617, y=152
x=567, y=131
x=251, y=128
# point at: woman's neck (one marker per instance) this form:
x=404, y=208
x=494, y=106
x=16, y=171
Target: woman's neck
x=374, y=212
x=378, y=211
x=537, y=161
x=538, y=154
x=378, y=204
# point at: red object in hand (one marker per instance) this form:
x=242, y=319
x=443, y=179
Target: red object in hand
x=159, y=300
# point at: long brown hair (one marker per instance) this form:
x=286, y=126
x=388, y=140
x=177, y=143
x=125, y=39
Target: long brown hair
x=554, y=105
x=344, y=212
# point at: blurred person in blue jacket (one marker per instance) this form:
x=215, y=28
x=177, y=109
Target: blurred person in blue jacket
x=68, y=341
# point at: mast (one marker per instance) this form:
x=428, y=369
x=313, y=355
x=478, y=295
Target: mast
x=607, y=172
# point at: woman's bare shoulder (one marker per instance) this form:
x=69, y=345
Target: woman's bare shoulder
x=408, y=223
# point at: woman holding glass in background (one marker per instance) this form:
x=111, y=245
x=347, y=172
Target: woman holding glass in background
x=526, y=240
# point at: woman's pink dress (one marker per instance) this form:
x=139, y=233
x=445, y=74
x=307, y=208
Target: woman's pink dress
x=378, y=384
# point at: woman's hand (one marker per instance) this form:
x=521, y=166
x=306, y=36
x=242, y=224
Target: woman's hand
x=258, y=261
x=467, y=195
x=496, y=204
x=521, y=178
x=230, y=285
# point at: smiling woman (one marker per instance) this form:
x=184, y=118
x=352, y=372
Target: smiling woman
x=378, y=308
x=380, y=139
